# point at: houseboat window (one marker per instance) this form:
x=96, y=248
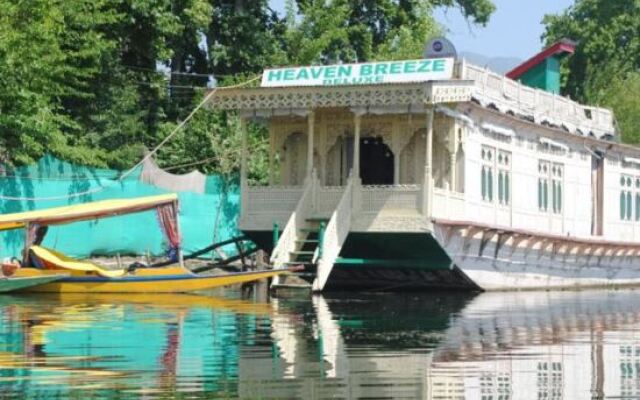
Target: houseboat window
x=626, y=199
x=550, y=175
x=637, y=206
x=543, y=185
x=504, y=177
x=556, y=182
x=487, y=171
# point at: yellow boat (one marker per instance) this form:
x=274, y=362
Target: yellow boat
x=87, y=277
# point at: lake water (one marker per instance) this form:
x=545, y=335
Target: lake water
x=531, y=345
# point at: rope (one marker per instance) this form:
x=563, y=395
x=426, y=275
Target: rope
x=145, y=158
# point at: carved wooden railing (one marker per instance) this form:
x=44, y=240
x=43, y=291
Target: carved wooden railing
x=335, y=234
x=287, y=241
x=377, y=198
x=264, y=205
x=545, y=105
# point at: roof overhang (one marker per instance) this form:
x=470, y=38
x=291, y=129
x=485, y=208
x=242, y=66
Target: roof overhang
x=380, y=95
x=561, y=48
x=84, y=211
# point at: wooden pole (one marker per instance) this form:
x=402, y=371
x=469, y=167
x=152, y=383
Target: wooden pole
x=428, y=176
x=243, y=151
x=175, y=215
x=356, y=146
x=243, y=168
x=272, y=151
x=310, y=134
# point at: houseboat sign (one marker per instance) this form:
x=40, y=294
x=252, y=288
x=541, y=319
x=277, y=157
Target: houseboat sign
x=364, y=73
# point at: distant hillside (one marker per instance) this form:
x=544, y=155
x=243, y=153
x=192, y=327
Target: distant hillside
x=501, y=65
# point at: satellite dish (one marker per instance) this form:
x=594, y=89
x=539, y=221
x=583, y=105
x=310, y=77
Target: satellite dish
x=440, y=48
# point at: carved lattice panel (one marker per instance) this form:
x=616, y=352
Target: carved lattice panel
x=412, y=159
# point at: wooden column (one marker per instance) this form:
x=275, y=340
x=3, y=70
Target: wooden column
x=356, y=146
x=452, y=172
x=272, y=151
x=395, y=135
x=310, y=125
x=243, y=168
x=454, y=145
x=243, y=151
x=427, y=188
x=176, y=217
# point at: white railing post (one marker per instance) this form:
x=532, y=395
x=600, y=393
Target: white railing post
x=356, y=194
x=447, y=194
x=314, y=190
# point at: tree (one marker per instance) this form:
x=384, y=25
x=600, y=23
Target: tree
x=45, y=68
x=607, y=54
x=98, y=81
x=618, y=91
x=362, y=30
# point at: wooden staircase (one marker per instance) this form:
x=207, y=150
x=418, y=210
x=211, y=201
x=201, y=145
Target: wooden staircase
x=312, y=242
x=306, y=254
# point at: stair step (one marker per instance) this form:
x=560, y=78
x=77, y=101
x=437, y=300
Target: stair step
x=309, y=230
x=305, y=274
x=307, y=241
x=299, y=263
x=317, y=219
x=302, y=253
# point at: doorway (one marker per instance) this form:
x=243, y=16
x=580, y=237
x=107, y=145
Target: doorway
x=376, y=162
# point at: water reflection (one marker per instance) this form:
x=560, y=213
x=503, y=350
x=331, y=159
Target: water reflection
x=555, y=345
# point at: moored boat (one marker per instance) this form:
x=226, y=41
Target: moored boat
x=52, y=271
x=455, y=178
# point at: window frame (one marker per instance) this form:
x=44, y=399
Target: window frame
x=550, y=187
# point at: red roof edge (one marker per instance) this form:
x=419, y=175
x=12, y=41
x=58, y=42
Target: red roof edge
x=563, y=46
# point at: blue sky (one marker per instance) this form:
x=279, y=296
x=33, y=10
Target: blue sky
x=514, y=30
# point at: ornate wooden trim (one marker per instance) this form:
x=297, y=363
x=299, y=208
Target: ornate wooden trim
x=410, y=95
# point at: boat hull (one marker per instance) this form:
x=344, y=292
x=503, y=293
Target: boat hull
x=22, y=283
x=501, y=259
x=460, y=256
x=143, y=283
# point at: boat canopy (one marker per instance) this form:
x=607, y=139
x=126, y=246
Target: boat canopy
x=84, y=211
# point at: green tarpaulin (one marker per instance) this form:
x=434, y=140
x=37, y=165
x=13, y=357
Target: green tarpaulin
x=52, y=182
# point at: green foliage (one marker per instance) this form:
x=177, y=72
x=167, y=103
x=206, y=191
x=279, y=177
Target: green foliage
x=618, y=91
x=329, y=31
x=603, y=70
x=100, y=82
x=34, y=74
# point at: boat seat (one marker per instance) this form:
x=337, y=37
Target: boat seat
x=52, y=259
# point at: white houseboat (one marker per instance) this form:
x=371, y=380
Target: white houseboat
x=464, y=178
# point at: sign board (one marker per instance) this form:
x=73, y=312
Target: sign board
x=360, y=74
x=440, y=48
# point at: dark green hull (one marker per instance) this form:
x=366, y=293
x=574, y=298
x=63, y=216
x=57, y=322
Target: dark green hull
x=388, y=261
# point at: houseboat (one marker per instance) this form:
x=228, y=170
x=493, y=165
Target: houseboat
x=436, y=173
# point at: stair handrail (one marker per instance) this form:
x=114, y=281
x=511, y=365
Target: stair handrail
x=287, y=241
x=335, y=234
